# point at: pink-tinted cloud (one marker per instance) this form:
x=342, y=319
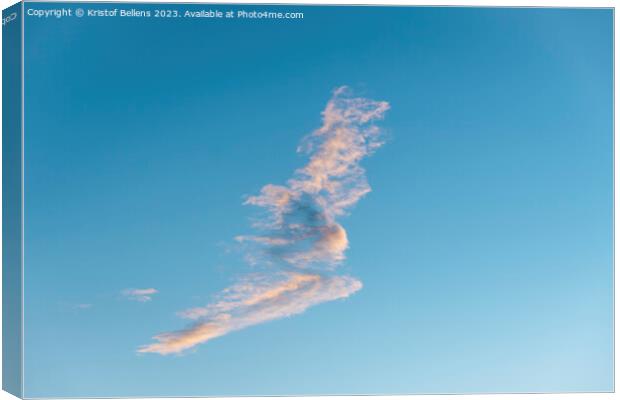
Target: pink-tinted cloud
x=300, y=222
x=300, y=242
x=256, y=299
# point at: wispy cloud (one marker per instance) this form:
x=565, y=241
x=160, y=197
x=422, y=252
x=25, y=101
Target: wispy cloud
x=141, y=295
x=256, y=299
x=83, y=306
x=300, y=222
x=299, y=241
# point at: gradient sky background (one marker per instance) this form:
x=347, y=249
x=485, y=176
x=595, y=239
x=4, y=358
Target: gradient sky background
x=485, y=247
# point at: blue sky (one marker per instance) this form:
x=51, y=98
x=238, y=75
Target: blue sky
x=484, y=248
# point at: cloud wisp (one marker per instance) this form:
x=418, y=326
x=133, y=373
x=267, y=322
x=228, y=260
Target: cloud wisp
x=300, y=221
x=257, y=298
x=299, y=242
x=141, y=295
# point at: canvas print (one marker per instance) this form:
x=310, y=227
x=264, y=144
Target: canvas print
x=238, y=199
